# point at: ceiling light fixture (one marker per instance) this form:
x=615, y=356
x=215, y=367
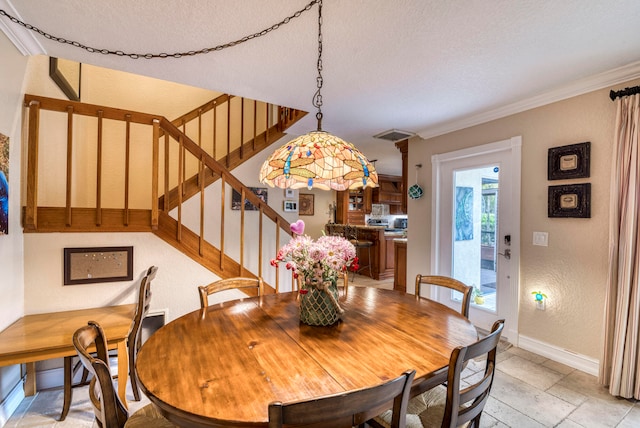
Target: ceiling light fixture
x=318, y=159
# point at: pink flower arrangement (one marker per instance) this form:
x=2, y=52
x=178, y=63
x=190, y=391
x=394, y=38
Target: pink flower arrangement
x=319, y=261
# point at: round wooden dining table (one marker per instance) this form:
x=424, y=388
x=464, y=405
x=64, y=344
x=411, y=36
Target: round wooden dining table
x=223, y=365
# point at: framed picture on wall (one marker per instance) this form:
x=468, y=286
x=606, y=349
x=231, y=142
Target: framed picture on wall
x=570, y=161
x=290, y=206
x=97, y=264
x=66, y=74
x=570, y=200
x=260, y=192
x=4, y=185
x=305, y=201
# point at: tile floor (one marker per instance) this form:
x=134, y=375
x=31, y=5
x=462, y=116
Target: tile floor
x=528, y=391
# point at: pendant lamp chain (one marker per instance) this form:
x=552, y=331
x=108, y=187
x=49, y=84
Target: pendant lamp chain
x=318, y=159
x=163, y=55
x=317, y=97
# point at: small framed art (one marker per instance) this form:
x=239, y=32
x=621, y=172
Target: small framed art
x=570, y=161
x=260, y=192
x=306, y=203
x=290, y=206
x=570, y=200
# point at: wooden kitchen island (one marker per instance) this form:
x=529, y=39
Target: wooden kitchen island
x=382, y=251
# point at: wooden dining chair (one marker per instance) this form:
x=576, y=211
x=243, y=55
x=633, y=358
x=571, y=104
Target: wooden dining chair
x=447, y=282
x=254, y=285
x=109, y=410
x=347, y=409
x=452, y=405
x=352, y=234
x=134, y=341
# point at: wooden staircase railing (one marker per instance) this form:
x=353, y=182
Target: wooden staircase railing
x=258, y=126
x=139, y=157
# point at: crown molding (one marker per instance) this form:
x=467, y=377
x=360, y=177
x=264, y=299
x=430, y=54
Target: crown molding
x=23, y=39
x=579, y=87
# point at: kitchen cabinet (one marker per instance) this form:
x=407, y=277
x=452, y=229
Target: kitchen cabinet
x=353, y=205
x=386, y=256
x=400, y=271
x=390, y=192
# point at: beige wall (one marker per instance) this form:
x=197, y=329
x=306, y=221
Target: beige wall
x=11, y=249
x=572, y=270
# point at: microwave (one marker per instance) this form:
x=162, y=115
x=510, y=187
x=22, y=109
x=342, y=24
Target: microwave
x=400, y=223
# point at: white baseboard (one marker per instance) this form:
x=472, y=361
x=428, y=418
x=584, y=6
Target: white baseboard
x=11, y=403
x=54, y=378
x=577, y=361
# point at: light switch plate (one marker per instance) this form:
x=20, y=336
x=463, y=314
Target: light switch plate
x=541, y=238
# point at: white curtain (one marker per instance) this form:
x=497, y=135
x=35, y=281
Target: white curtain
x=619, y=365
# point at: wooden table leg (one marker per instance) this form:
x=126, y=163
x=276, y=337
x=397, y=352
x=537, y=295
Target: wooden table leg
x=68, y=380
x=30, y=380
x=123, y=371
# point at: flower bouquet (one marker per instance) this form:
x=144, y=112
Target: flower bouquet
x=317, y=265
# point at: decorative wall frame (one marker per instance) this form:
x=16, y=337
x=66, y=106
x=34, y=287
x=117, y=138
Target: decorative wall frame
x=4, y=185
x=306, y=203
x=97, y=264
x=570, y=200
x=568, y=162
x=260, y=192
x=290, y=206
x=66, y=74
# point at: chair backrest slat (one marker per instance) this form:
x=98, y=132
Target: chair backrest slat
x=447, y=282
x=227, y=284
x=108, y=409
x=347, y=409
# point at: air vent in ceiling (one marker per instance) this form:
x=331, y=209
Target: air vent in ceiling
x=394, y=135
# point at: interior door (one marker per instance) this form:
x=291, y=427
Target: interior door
x=476, y=224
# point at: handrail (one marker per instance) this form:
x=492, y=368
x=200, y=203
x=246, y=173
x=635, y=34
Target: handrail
x=188, y=151
x=222, y=171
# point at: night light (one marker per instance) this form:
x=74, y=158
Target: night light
x=539, y=297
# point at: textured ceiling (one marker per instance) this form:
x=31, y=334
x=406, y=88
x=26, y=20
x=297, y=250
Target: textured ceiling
x=424, y=66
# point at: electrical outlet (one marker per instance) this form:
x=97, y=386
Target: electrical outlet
x=541, y=239
x=540, y=305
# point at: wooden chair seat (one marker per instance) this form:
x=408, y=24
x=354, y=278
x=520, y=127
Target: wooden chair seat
x=423, y=411
x=148, y=416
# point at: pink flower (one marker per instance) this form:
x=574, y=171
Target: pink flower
x=317, y=261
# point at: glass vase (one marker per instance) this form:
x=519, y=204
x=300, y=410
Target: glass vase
x=317, y=308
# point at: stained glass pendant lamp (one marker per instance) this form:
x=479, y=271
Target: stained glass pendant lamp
x=318, y=159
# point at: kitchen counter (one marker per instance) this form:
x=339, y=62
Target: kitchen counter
x=382, y=253
x=400, y=271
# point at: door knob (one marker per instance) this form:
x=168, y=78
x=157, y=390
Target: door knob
x=506, y=254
